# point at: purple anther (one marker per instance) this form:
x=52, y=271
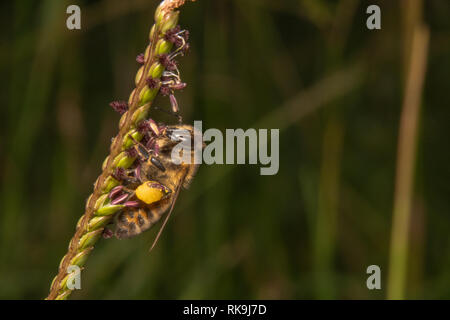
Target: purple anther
x=171, y=65
x=119, y=106
x=164, y=60
x=152, y=83
x=153, y=127
x=115, y=191
x=140, y=58
x=120, y=199
x=177, y=40
x=173, y=103
x=171, y=35
x=137, y=172
x=143, y=127
x=131, y=204
x=178, y=86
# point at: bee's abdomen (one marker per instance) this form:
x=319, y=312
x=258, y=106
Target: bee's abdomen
x=133, y=221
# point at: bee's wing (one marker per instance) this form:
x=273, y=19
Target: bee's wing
x=177, y=191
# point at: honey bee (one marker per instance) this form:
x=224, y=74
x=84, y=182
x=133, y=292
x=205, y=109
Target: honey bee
x=150, y=189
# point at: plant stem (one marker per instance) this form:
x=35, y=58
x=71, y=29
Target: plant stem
x=407, y=145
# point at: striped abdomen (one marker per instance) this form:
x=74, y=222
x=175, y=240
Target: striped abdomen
x=133, y=221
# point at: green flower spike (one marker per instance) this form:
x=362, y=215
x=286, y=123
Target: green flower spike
x=99, y=211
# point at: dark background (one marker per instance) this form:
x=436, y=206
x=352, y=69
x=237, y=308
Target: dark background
x=308, y=67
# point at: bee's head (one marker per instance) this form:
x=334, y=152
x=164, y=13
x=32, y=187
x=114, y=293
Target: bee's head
x=175, y=134
x=179, y=133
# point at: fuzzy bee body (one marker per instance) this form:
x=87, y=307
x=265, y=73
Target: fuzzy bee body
x=159, y=175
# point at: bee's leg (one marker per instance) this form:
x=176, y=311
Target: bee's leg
x=127, y=177
x=145, y=155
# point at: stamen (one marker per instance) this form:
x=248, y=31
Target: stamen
x=140, y=58
x=115, y=191
x=131, y=204
x=119, y=106
x=120, y=199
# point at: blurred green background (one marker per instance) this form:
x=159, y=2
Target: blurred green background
x=308, y=67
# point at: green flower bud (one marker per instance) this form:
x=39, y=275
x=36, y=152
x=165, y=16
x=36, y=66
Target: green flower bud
x=79, y=222
x=53, y=281
x=89, y=199
x=130, y=98
x=156, y=70
x=163, y=46
x=110, y=183
x=105, y=162
x=159, y=16
x=64, y=282
x=61, y=262
x=101, y=201
x=98, y=222
x=126, y=162
x=147, y=52
x=138, y=77
x=122, y=120
x=170, y=21
x=89, y=239
x=109, y=209
x=81, y=257
x=130, y=137
x=152, y=32
x=140, y=114
x=147, y=95
x=123, y=160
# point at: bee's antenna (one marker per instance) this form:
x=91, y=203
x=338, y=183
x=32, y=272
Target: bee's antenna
x=167, y=217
